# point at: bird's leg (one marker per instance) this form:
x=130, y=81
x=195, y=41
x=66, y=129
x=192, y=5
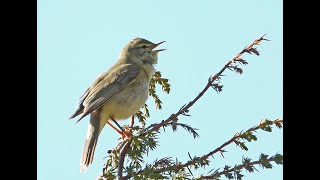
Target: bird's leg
x=129, y=129
x=117, y=124
x=132, y=122
x=122, y=132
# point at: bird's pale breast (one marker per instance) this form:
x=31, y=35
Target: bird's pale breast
x=127, y=102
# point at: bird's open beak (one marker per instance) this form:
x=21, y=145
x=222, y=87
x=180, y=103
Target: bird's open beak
x=158, y=50
x=156, y=45
x=160, y=43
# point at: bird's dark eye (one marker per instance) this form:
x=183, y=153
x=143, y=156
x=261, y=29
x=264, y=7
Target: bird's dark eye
x=144, y=46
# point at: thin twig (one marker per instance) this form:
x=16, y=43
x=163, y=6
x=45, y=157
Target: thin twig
x=241, y=166
x=220, y=148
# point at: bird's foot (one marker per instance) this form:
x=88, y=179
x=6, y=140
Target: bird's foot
x=126, y=134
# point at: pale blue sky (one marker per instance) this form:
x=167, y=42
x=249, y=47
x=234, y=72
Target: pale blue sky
x=78, y=40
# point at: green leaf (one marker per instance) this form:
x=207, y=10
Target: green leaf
x=265, y=162
x=278, y=158
x=267, y=128
x=241, y=145
x=246, y=162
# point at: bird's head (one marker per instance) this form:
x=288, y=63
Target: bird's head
x=142, y=51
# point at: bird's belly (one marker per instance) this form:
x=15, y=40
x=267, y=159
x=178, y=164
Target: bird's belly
x=127, y=102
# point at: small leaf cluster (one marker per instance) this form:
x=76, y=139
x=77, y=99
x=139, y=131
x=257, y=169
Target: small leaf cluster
x=163, y=82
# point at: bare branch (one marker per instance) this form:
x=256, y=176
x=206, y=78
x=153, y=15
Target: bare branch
x=122, y=156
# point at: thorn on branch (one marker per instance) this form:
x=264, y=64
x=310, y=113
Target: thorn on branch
x=217, y=87
x=184, y=111
x=252, y=50
x=236, y=69
x=221, y=152
x=190, y=171
x=182, y=107
x=257, y=41
x=189, y=156
x=191, y=130
x=241, y=61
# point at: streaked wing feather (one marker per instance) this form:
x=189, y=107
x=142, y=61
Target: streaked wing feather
x=95, y=82
x=112, y=84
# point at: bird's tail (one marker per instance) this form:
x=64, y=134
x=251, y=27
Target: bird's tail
x=94, y=128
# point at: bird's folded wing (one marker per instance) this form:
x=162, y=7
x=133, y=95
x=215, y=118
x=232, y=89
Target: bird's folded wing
x=106, y=87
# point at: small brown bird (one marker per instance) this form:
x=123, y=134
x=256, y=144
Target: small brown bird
x=118, y=93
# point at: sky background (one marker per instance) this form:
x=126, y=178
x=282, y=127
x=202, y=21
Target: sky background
x=78, y=40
